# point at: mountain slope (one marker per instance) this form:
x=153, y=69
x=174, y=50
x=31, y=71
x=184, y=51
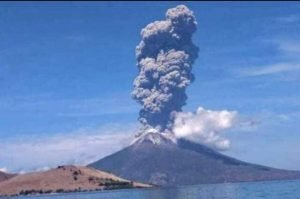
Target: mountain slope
x=64, y=179
x=166, y=163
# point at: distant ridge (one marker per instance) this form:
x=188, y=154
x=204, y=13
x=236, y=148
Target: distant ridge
x=5, y=176
x=165, y=163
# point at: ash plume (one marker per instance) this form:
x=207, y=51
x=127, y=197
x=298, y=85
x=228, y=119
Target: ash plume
x=165, y=57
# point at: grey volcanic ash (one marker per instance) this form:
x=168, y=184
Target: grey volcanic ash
x=165, y=57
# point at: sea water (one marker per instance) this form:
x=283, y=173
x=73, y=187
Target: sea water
x=250, y=190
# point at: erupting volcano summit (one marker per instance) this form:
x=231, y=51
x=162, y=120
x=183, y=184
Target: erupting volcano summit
x=165, y=58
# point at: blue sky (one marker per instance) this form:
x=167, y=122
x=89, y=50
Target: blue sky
x=68, y=67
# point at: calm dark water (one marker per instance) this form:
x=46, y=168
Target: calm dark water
x=269, y=190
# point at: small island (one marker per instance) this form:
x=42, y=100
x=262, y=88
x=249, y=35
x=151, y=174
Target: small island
x=65, y=179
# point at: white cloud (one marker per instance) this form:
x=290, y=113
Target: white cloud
x=205, y=127
x=270, y=69
x=3, y=169
x=287, y=50
x=80, y=147
x=289, y=46
x=288, y=19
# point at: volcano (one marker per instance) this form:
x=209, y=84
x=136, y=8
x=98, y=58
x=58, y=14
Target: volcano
x=158, y=160
x=165, y=57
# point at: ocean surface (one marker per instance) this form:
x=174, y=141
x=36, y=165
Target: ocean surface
x=270, y=190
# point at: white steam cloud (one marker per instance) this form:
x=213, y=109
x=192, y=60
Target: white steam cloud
x=205, y=127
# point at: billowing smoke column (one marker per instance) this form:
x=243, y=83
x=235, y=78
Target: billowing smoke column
x=165, y=57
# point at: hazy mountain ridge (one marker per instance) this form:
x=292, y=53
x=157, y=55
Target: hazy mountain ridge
x=5, y=176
